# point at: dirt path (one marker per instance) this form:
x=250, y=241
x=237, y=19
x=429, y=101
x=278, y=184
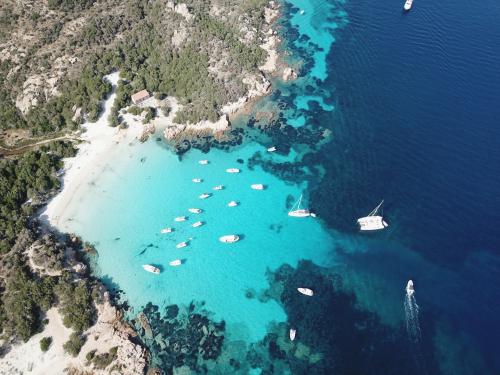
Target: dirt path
x=12, y=151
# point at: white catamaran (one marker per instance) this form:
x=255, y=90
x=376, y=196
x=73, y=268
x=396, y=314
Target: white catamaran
x=296, y=211
x=373, y=221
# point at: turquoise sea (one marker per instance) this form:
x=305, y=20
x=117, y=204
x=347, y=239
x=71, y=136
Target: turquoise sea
x=388, y=105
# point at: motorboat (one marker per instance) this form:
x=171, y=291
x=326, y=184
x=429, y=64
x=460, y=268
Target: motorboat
x=166, y=230
x=150, y=268
x=409, y=288
x=197, y=224
x=257, y=186
x=373, y=221
x=204, y=196
x=195, y=210
x=408, y=4
x=302, y=11
x=203, y=162
x=296, y=211
x=175, y=263
x=230, y=238
x=312, y=214
x=292, y=334
x=232, y=204
x=180, y=218
x=271, y=149
x=197, y=180
x=180, y=245
x=306, y=291
x=232, y=170
x=218, y=187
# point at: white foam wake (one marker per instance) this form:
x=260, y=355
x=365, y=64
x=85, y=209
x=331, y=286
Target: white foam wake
x=411, y=316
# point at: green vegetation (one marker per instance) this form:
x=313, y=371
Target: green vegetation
x=45, y=343
x=76, y=304
x=101, y=361
x=74, y=344
x=70, y=5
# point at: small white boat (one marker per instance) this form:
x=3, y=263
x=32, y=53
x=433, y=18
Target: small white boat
x=197, y=180
x=292, y=334
x=257, y=186
x=197, y=224
x=180, y=218
x=180, y=245
x=271, y=149
x=230, y=238
x=312, y=214
x=175, y=263
x=408, y=4
x=218, y=187
x=302, y=11
x=373, y=221
x=166, y=230
x=306, y=291
x=203, y=162
x=232, y=170
x=232, y=204
x=204, y=196
x=409, y=288
x=195, y=210
x=150, y=268
x=296, y=211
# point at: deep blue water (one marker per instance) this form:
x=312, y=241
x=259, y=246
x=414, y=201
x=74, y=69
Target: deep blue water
x=417, y=122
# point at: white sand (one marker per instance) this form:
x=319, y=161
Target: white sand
x=94, y=156
x=29, y=357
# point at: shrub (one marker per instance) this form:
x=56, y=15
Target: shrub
x=74, y=344
x=45, y=343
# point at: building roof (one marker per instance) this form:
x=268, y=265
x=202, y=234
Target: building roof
x=141, y=95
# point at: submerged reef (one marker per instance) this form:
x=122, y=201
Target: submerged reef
x=180, y=337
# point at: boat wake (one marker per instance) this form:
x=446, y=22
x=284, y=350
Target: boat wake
x=413, y=326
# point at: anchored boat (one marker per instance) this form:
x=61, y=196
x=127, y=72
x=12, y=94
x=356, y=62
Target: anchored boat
x=197, y=224
x=373, y=221
x=232, y=204
x=271, y=149
x=180, y=218
x=181, y=245
x=230, y=238
x=306, y=291
x=166, y=230
x=204, y=196
x=203, y=162
x=257, y=186
x=150, y=268
x=408, y=4
x=175, y=263
x=292, y=334
x=195, y=210
x=218, y=187
x=197, y=180
x=296, y=211
x=232, y=170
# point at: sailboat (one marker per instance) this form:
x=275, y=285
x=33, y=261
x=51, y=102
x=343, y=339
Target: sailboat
x=373, y=221
x=296, y=211
x=150, y=268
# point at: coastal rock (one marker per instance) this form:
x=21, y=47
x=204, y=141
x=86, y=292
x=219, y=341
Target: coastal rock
x=289, y=74
x=79, y=268
x=181, y=9
x=257, y=85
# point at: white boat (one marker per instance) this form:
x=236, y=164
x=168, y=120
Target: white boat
x=204, y=196
x=408, y=4
x=232, y=204
x=218, y=187
x=195, y=210
x=373, y=221
x=197, y=224
x=203, y=162
x=302, y=11
x=180, y=218
x=257, y=186
x=296, y=211
x=150, y=268
x=271, y=149
x=232, y=170
x=180, y=245
x=292, y=334
x=197, y=180
x=312, y=214
x=306, y=291
x=230, y=238
x=166, y=230
x=409, y=288
x=175, y=263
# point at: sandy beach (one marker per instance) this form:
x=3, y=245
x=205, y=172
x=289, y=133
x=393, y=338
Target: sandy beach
x=101, y=143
